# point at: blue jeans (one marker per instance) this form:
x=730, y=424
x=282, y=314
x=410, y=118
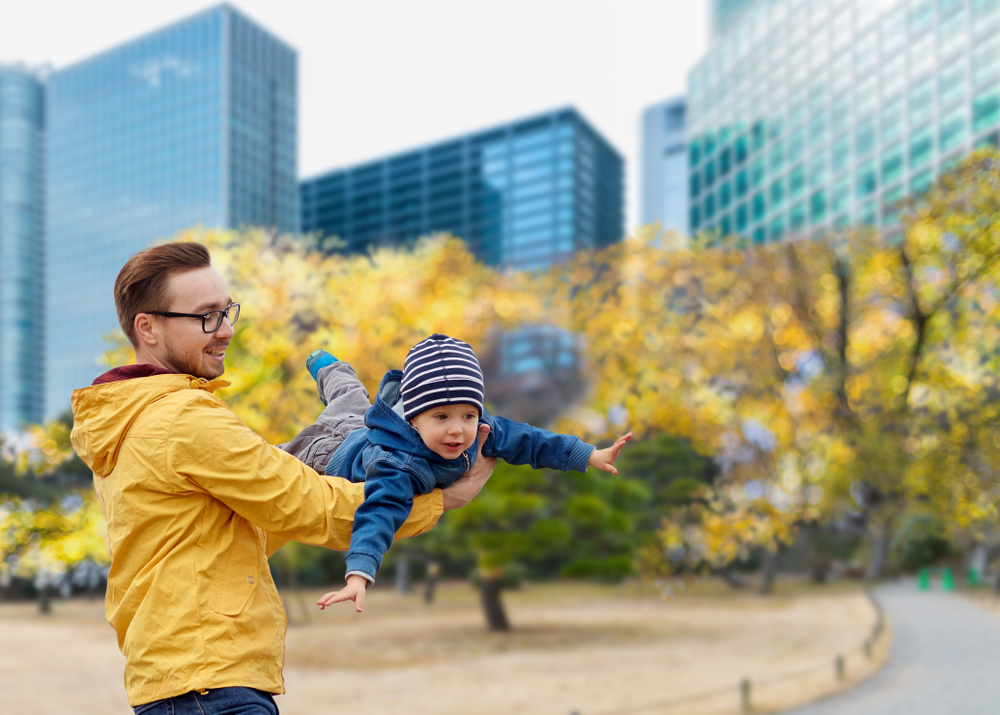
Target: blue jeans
x=221, y=701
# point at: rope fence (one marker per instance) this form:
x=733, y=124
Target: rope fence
x=746, y=686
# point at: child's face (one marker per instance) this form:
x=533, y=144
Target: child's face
x=447, y=430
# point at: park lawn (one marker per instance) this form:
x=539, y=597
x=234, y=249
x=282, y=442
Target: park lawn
x=575, y=646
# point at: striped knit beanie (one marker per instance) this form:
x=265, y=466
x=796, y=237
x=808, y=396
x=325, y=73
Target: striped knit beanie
x=440, y=371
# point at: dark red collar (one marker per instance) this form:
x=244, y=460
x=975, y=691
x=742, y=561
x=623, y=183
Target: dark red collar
x=130, y=372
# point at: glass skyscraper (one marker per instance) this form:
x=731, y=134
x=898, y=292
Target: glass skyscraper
x=525, y=194
x=811, y=115
x=22, y=248
x=665, y=166
x=192, y=125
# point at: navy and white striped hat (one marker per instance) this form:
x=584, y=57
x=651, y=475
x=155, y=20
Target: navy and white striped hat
x=440, y=371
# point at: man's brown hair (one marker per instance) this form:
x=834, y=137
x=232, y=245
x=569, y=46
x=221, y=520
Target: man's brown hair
x=141, y=285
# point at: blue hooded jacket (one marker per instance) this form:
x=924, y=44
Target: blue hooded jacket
x=390, y=457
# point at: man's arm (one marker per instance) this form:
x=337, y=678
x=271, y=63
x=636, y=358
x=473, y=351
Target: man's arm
x=214, y=452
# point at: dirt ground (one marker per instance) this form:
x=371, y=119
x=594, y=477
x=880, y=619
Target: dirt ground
x=574, y=648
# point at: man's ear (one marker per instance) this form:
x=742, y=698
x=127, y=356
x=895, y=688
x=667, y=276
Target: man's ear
x=146, y=329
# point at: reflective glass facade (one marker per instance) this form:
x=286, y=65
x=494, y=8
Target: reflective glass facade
x=809, y=115
x=22, y=248
x=192, y=125
x=524, y=195
x=665, y=166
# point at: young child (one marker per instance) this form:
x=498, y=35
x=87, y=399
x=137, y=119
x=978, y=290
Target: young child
x=421, y=433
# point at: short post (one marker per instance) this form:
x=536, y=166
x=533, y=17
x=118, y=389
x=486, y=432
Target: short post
x=947, y=580
x=745, y=694
x=924, y=579
x=838, y=665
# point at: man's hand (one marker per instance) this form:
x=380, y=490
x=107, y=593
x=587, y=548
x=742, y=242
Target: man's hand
x=604, y=459
x=467, y=486
x=353, y=591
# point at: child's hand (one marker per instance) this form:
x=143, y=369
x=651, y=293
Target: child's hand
x=353, y=591
x=604, y=459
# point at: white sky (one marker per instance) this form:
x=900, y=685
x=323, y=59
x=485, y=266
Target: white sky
x=378, y=77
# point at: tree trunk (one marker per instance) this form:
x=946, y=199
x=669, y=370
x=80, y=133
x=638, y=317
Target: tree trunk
x=879, y=559
x=433, y=569
x=496, y=616
x=45, y=600
x=769, y=571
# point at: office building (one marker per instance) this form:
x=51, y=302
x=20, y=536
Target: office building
x=22, y=247
x=664, y=167
x=810, y=115
x=525, y=194
x=192, y=125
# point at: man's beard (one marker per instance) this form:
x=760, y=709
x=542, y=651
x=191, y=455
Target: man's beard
x=188, y=365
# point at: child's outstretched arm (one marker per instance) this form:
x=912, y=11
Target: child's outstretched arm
x=604, y=459
x=353, y=591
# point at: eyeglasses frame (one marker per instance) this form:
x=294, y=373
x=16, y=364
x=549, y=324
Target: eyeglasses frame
x=203, y=316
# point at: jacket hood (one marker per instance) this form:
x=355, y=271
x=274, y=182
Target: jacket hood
x=103, y=413
x=387, y=427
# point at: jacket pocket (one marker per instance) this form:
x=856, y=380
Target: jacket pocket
x=242, y=570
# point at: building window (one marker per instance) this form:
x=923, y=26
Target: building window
x=725, y=161
x=741, y=183
x=867, y=214
x=695, y=218
x=841, y=195
x=864, y=138
x=797, y=217
x=817, y=207
x=777, y=227
x=893, y=161
x=840, y=115
x=892, y=121
x=709, y=173
x=759, y=206
x=777, y=156
x=952, y=130
x=796, y=181
x=796, y=145
x=841, y=153
x=867, y=179
x=817, y=169
x=951, y=85
x=740, y=146
x=759, y=235
x=922, y=182
x=921, y=147
x=758, y=136
x=817, y=128
x=694, y=153
x=921, y=101
x=725, y=196
x=758, y=172
x=985, y=110
x=709, y=207
x=777, y=192
x=741, y=218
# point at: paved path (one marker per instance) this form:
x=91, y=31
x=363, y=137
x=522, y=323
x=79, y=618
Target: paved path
x=945, y=660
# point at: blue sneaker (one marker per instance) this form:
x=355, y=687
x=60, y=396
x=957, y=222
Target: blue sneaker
x=317, y=360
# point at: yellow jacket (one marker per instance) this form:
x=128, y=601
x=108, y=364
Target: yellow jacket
x=196, y=502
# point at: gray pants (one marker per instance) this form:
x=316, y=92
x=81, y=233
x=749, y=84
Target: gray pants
x=346, y=404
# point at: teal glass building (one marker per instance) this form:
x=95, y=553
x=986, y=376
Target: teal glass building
x=811, y=115
x=524, y=195
x=192, y=125
x=22, y=248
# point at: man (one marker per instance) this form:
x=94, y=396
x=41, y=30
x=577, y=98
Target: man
x=196, y=502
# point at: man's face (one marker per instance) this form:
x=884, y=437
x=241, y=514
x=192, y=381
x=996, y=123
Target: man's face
x=186, y=348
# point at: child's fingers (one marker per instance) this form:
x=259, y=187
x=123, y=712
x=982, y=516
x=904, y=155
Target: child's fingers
x=359, y=602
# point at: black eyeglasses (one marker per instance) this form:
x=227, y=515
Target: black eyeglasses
x=210, y=321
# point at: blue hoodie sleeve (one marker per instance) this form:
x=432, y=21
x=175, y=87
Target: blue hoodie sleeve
x=518, y=443
x=389, y=493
